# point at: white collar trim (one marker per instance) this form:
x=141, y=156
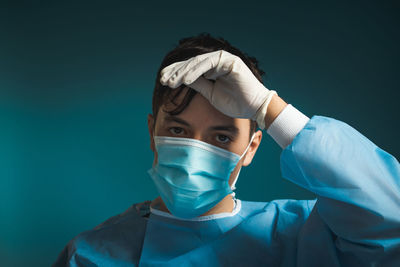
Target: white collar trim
x=236, y=209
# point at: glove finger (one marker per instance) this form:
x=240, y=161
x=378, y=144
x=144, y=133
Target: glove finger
x=177, y=77
x=201, y=57
x=205, y=62
x=173, y=74
x=197, y=71
x=171, y=67
x=204, y=87
x=224, y=66
x=167, y=72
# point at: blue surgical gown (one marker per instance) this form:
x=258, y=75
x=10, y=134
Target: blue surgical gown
x=355, y=220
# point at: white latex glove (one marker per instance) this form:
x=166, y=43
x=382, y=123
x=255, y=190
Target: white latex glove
x=225, y=80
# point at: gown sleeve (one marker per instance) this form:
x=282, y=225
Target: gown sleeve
x=358, y=191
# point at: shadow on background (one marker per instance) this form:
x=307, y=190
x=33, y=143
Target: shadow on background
x=76, y=84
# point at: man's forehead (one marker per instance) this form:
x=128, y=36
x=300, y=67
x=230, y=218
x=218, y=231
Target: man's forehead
x=199, y=108
x=174, y=97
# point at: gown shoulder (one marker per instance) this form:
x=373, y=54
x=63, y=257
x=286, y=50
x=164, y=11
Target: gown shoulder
x=119, y=238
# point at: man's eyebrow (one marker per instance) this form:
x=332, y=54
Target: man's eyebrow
x=176, y=119
x=229, y=128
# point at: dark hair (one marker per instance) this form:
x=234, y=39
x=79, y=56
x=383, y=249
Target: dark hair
x=188, y=48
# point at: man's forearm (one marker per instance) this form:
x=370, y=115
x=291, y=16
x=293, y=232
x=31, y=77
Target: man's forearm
x=275, y=107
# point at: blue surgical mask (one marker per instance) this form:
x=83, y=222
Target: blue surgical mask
x=192, y=176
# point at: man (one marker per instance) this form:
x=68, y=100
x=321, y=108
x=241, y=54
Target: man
x=208, y=101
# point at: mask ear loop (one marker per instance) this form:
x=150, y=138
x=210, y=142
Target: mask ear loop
x=154, y=134
x=233, y=187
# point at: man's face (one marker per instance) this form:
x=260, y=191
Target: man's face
x=201, y=121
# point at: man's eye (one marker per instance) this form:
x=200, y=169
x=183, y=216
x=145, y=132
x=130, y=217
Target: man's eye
x=222, y=138
x=176, y=130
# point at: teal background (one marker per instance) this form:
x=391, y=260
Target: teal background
x=76, y=82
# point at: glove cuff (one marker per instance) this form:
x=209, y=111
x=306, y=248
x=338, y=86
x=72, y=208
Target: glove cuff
x=287, y=125
x=262, y=111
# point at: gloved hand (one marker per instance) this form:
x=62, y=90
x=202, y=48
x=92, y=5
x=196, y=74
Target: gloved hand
x=225, y=80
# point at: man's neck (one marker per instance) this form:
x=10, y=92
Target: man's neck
x=225, y=205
